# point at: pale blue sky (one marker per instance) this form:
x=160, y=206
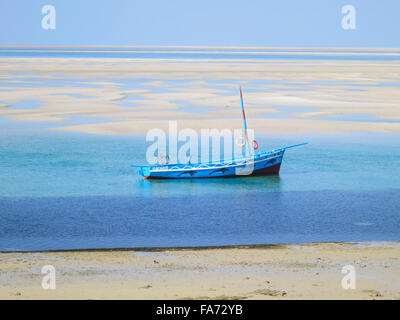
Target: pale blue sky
x=201, y=22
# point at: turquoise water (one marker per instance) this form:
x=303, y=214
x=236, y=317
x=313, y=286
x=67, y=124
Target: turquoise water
x=66, y=190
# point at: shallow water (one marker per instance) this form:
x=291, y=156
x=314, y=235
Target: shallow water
x=67, y=190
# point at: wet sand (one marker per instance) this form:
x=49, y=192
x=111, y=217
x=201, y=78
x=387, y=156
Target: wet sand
x=122, y=96
x=304, y=271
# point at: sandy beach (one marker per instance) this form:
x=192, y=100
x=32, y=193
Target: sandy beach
x=303, y=271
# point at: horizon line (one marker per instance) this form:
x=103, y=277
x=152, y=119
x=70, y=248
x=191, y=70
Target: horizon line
x=333, y=48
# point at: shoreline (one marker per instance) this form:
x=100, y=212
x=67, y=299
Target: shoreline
x=199, y=248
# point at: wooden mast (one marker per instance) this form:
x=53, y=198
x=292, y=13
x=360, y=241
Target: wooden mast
x=244, y=121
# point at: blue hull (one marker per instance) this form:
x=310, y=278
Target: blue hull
x=260, y=164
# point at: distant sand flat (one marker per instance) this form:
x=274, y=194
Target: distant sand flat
x=304, y=271
x=136, y=95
